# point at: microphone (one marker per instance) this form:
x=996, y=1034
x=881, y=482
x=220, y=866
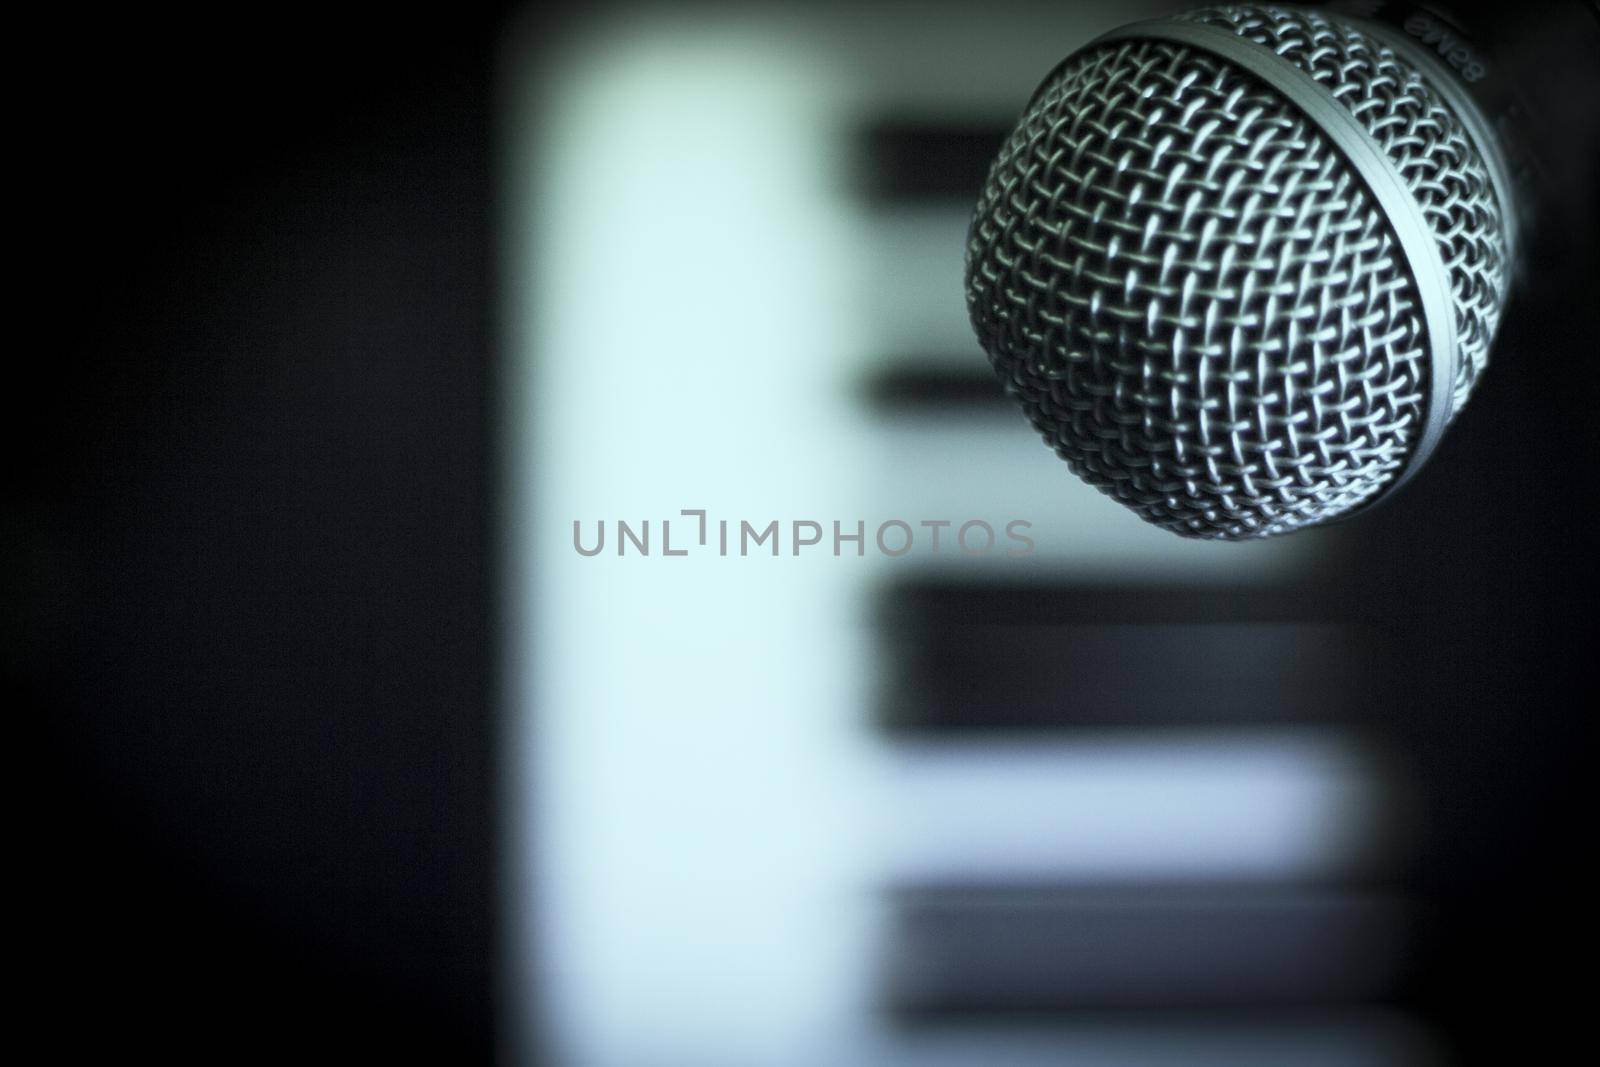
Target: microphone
x=1242, y=267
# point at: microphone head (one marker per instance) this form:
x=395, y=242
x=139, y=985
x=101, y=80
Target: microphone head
x=1243, y=267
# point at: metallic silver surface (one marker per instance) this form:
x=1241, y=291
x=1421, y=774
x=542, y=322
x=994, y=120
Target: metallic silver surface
x=1477, y=126
x=1240, y=270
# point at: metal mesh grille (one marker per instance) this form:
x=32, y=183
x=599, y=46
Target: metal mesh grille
x=1428, y=144
x=1197, y=301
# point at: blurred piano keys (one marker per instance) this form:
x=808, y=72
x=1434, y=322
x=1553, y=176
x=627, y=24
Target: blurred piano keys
x=1132, y=783
x=1125, y=802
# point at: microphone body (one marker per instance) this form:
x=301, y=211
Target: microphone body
x=1243, y=267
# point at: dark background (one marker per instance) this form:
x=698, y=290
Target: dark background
x=254, y=565
x=253, y=589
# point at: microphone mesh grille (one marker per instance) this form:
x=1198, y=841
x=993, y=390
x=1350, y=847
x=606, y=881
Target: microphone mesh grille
x=1196, y=299
x=1428, y=144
